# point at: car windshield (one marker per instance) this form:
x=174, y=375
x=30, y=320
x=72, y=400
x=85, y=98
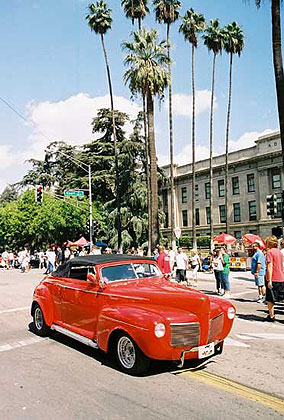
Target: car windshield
x=130, y=271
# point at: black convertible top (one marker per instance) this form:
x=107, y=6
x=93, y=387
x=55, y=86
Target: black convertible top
x=63, y=269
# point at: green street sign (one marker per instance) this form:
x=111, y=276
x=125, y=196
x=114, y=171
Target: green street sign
x=73, y=193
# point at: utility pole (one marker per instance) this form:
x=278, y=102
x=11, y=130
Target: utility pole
x=90, y=206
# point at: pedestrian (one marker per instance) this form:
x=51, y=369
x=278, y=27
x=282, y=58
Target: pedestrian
x=67, y=254
x=163, y=261
x=5, y=258
x=258, y=268
x=51, y=257
x=274, y=276
x=11, y=259
x=41, y=257
x=181, y=262
x=225, y=282
x=172, y=255
x=282, y=249
x=195, y=265
x=217, y=268
x=140, y=251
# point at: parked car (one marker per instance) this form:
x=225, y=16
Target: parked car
x=123, y=305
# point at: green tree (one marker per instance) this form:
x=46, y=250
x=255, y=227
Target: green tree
x=192, y=24
x=135, y=9
x=277, y=63
x=25, y=222
x=10, y=193
x=100, y=20
x=147, y=74
x=233, y=44
x=214, y=41
x=167, y=11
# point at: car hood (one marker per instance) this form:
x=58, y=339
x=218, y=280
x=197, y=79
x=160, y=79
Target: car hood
x=157, y=291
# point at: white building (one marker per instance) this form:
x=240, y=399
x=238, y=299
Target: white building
x=254, y=173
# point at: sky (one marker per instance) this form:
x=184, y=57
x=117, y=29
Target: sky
x=53, y=73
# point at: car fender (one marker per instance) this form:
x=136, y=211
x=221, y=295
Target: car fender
x=138, y=322
x=43, y=297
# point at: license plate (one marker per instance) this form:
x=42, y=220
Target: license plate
x=206, y=351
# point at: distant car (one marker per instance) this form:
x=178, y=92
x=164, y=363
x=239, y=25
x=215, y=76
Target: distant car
x=123, y=305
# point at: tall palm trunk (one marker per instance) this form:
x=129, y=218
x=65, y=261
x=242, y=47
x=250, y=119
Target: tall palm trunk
x=278, y=67
x=227, y=145
x=211, y=147
x=153, y=170
x=148, y=183
x=171, y=144
x=193, y=150
x=117, y=189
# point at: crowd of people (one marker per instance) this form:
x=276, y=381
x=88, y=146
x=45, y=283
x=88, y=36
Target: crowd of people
x=267, y=266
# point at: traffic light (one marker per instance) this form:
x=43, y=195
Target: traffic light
x=88, y=227
x=96, y=228
x=271, y=203
x=39, y=194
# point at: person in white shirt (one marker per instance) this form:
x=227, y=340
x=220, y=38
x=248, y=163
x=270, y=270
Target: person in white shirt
x=51, y=257
x=172, y=256
x=181, y=262
x=195, y=264
x=5, y=258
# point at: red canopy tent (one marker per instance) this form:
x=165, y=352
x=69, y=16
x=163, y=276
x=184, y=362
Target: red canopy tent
x=81, y=242
x=250, y=238
x=224, y=238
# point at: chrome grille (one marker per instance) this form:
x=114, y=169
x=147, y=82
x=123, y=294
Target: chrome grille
x=185, y=334
x=215, y=328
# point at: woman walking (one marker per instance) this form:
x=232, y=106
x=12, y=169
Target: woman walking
x=195, y=264
x=274, y=276
x=225, y=282
x=217, y=268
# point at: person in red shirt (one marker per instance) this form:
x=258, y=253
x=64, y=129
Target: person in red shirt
x=163, y=261
x=274, y=276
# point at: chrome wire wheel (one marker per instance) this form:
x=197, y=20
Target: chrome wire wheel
x=38, y=318
x=126, y=352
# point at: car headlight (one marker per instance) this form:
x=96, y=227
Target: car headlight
x=160, y=330
x=231, y=313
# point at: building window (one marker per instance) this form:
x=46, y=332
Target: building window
x=235, y=185
x=251, y=184
x=196, y=193
x=208, y=215
x=222, y=213
x=166, y=224
x=184, y=195
x=238, y=235
x=221, y=188
x=237, y=212
x=184, y=218
x=207, y=190
x=252, y=210
x=276, y=179
x=165, y=198
x=197, y=219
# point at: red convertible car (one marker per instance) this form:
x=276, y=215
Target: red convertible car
x=123, y=305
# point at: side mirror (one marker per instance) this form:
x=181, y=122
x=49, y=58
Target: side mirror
x=91, y=278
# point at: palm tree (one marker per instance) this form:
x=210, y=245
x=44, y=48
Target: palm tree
x=193, y=23
x=214, y=40
x=137, y=9
x=278, y=63
x=100, y=20
x=233, y=44
x=167, y=11
x=147, y=75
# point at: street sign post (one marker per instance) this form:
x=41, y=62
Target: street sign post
x=177, y=232
x=73, y=193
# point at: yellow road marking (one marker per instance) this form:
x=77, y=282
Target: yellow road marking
x=247, y=392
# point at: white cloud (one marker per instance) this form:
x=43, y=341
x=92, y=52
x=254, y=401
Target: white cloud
x=248, y=139
x=70, y=120
x=67, y=120
x=182, y=104
x=184, y=157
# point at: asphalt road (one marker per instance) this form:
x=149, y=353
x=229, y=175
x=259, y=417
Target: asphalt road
x=59, y=378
